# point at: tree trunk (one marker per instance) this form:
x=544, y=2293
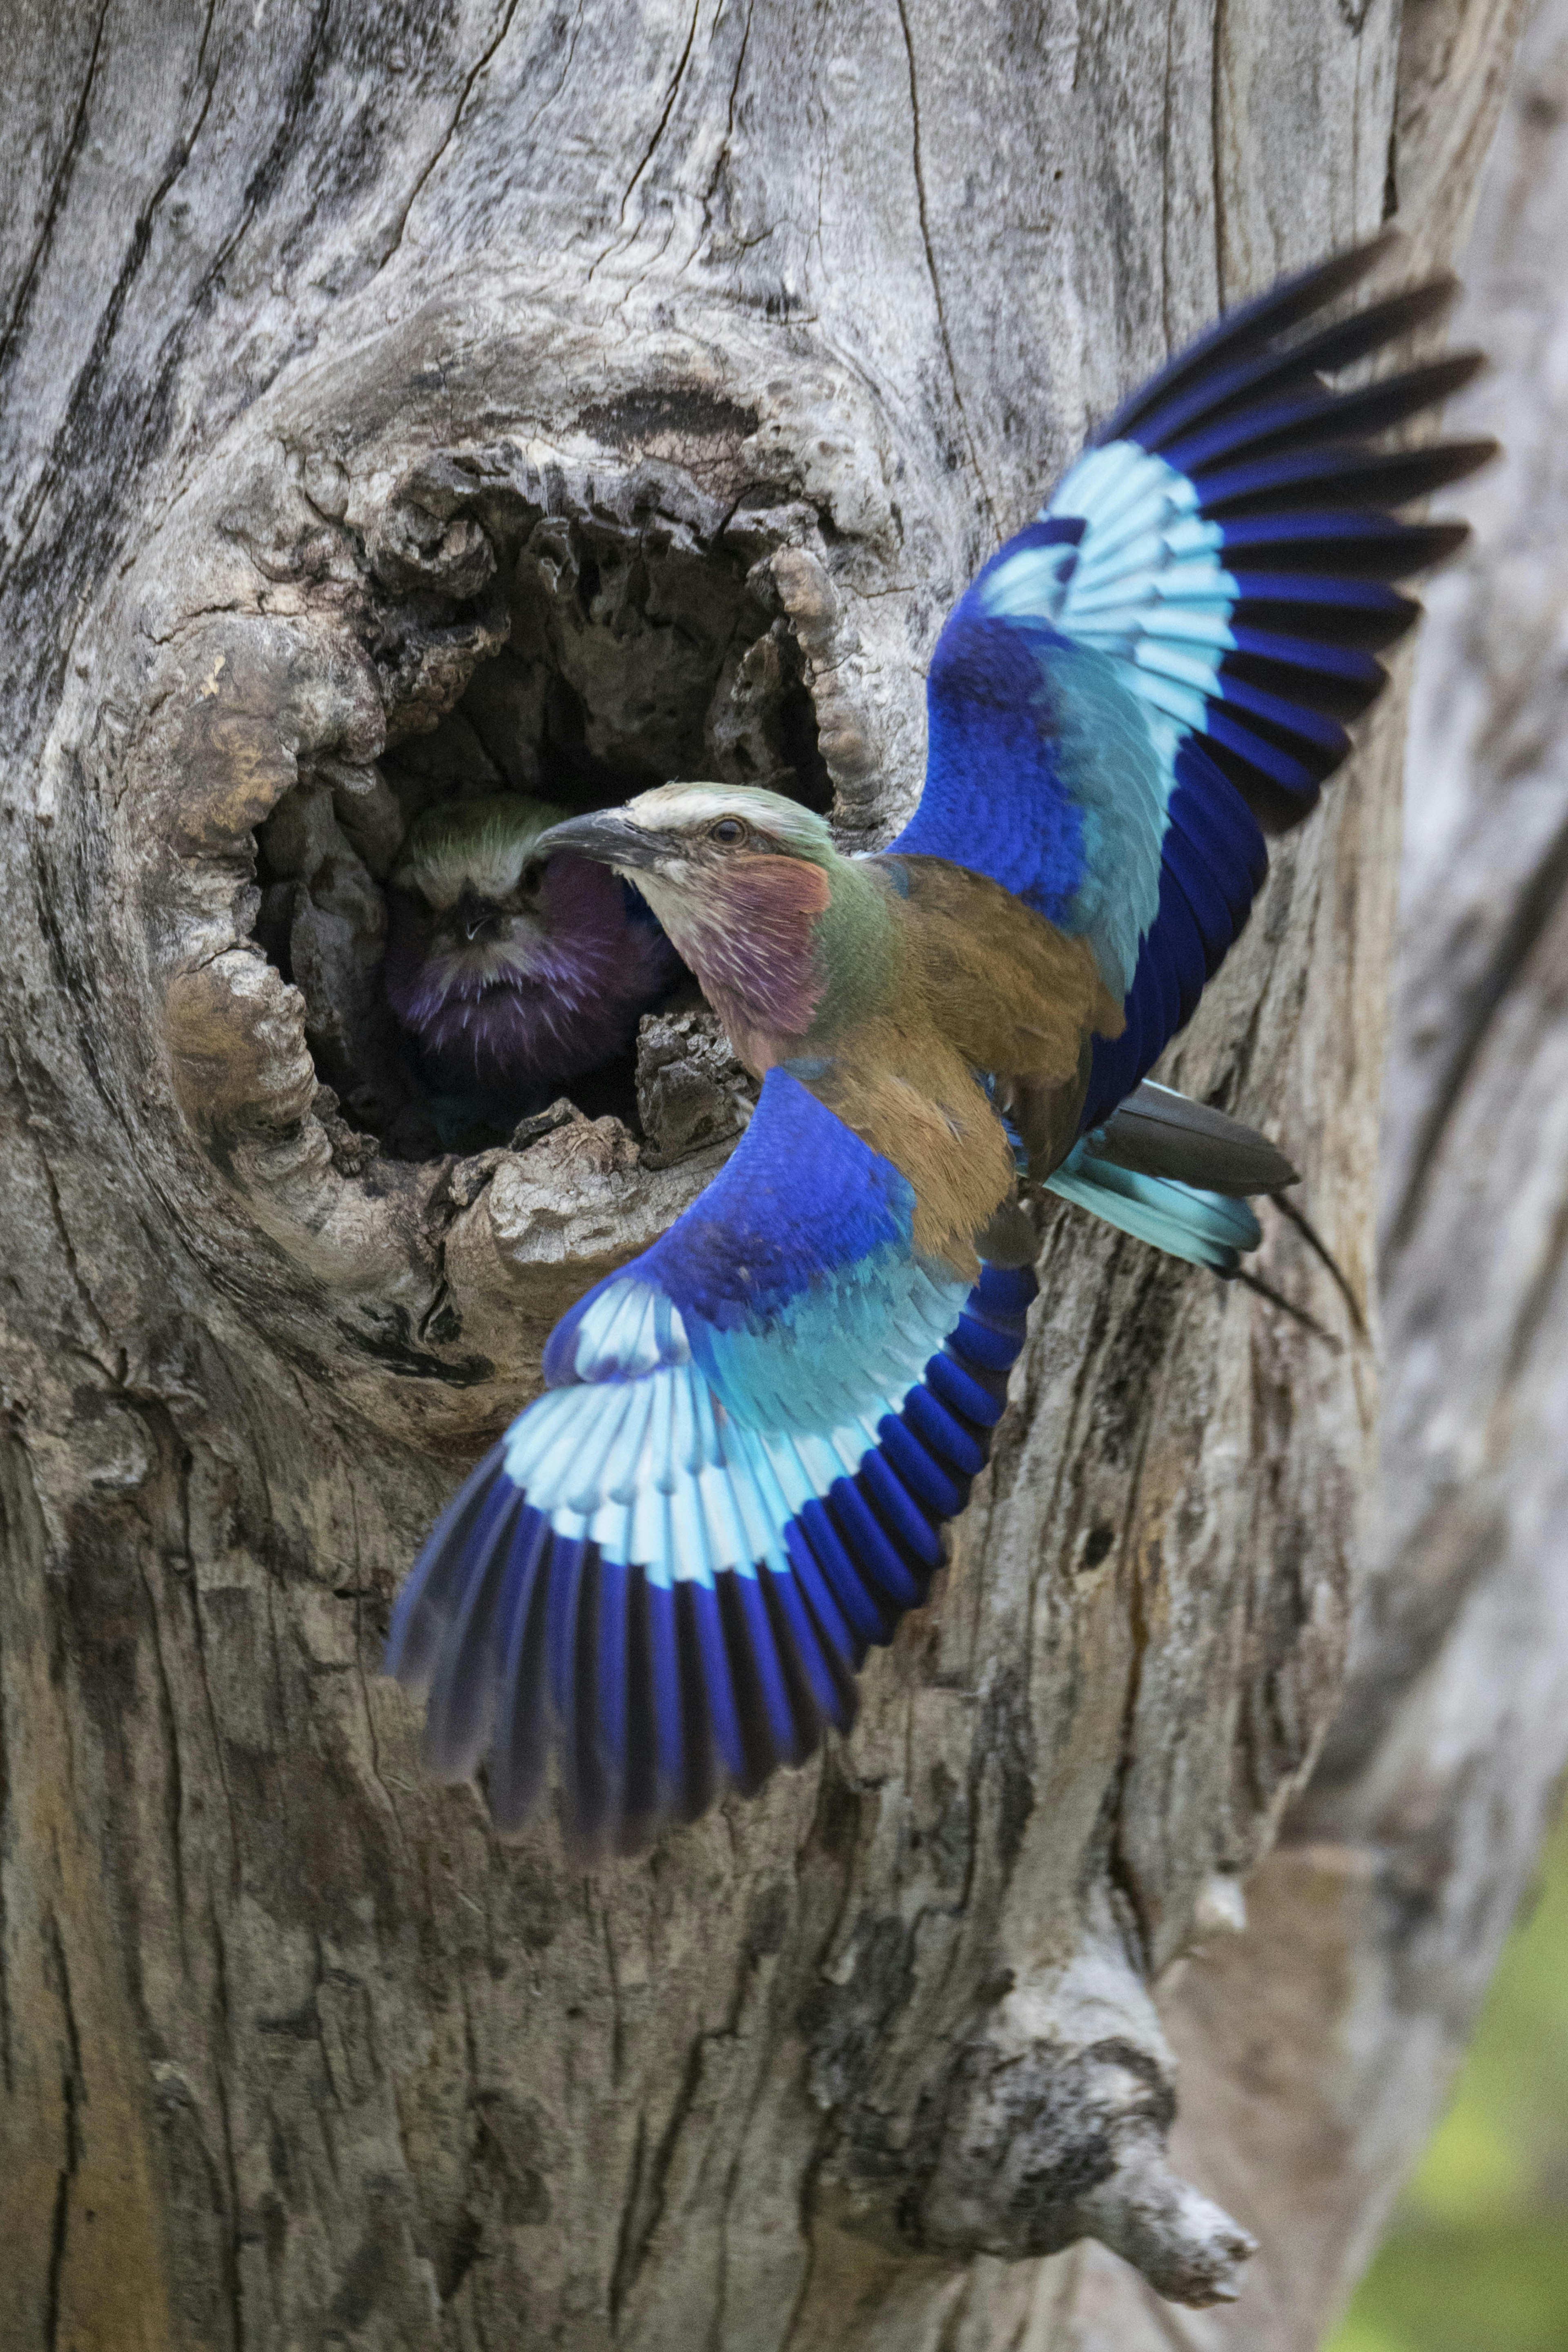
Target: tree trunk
x=1379, y=1918
x=394, y=404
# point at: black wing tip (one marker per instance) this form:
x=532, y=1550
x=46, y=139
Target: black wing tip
x=1283, y=338
x=1460, y=459
x=1469, y=456
x=1387, y=318
x=1354, y=476
x=1460, y=368
x=1262, y=318
x=618, y=1785
x=1302, y=292
x=1442, y=540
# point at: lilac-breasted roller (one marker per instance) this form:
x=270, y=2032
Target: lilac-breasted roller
x=511, y=972
x=667, y=1574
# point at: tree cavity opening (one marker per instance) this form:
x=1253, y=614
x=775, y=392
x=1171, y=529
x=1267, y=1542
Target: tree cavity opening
x=619, y=650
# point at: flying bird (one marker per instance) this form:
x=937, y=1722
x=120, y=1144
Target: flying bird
x=665, y=1575
x=511, y=968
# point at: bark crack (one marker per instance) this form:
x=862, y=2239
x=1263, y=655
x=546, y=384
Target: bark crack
x=364, y=1679
x=637, y=2240
x=670, y=97
x=1120, y=1867
x=234, y=2278
x=176, y=1806
x=450, y=132
x=17, y=1085
x=68, y=1248
x=735, y=79
x=97, y=358
x=804, y=2215
x=545, y=104
x=617, y=2024
x=71, y=2092
x=7, y=2022
x=1542, y=1301
x=745, y=244
x=58, y=189
x=199, y=1640
x=634, y=2238
x=930, y=265
x=624, y=2269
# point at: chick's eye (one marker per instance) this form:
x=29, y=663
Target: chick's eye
x=727, y=829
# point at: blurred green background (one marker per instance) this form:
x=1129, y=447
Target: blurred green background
x=1476, y=2257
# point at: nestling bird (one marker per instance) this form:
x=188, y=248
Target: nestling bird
x=513, y=969
x=668, y=1573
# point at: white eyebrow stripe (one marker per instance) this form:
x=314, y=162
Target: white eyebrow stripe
x=669, y=808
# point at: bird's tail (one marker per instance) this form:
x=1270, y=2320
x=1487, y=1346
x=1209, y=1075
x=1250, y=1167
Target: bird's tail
x=1176, y=1174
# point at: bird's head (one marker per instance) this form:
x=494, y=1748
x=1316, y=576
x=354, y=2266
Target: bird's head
x=683, y=840
x=741, y=881
x=475, y=868
x=507, y=962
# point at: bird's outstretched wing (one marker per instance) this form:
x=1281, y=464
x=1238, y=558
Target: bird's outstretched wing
x=668, y=1570
x=1162, y=664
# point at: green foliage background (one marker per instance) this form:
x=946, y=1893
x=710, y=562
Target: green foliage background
x=1475, y=2259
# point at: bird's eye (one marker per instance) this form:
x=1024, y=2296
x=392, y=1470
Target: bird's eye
x=727, y=829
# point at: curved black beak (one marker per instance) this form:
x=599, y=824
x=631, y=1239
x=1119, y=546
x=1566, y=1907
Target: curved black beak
x=472, y=913
x=606, y=835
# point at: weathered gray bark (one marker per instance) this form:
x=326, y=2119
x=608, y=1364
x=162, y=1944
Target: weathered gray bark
x=677, y=354
x=1318, y=2047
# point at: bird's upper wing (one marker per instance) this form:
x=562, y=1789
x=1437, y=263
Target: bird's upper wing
x=670, y=1568
x=1169, y=652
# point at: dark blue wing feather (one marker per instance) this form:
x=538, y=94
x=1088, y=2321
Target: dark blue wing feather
x=1163, y=663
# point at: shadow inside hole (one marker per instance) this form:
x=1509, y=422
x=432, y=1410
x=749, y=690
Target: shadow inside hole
x=632, y=659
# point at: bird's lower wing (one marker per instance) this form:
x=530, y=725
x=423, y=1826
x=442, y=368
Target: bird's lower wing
x=1161, y=665
x=666, y=1573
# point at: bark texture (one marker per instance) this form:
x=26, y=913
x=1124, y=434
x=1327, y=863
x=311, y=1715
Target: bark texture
x=398, y=399
x=1319, y=2048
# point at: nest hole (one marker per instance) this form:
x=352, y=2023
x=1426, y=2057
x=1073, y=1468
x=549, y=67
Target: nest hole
x=624, y=657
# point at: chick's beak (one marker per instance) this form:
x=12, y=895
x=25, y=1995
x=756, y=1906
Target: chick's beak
x=606, y=835
x=473, y=914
